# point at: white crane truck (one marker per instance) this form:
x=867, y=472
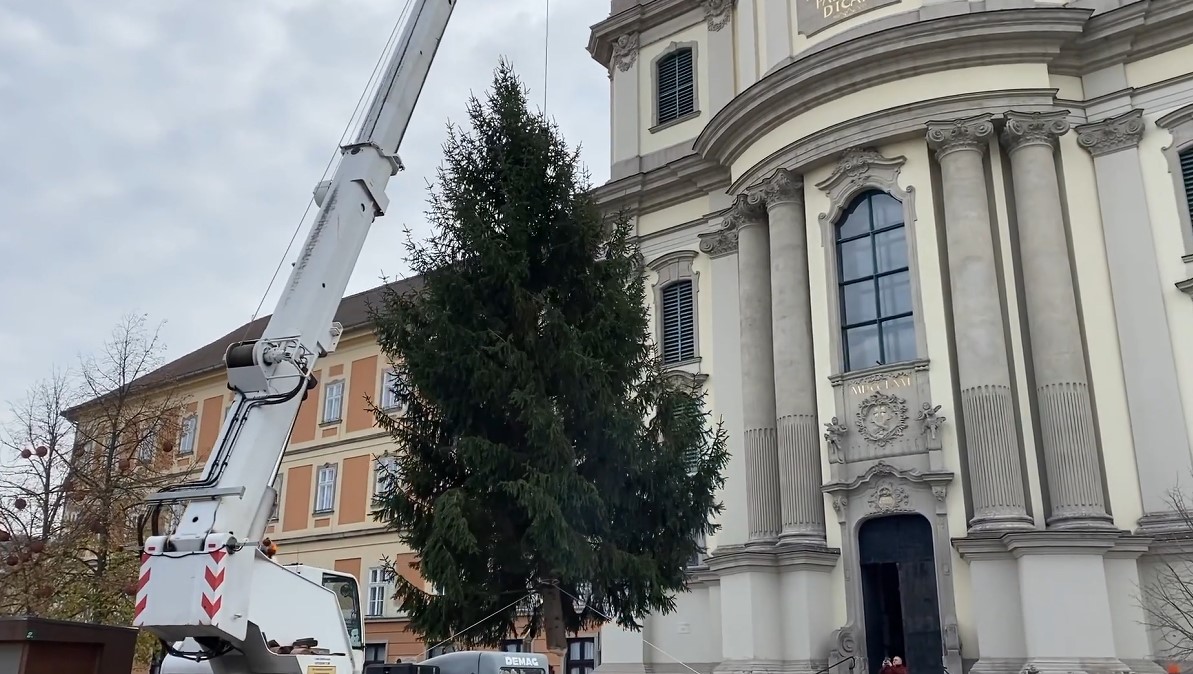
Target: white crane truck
x=207, y=589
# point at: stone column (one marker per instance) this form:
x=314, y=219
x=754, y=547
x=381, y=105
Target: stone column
x=802, y=502
x=1063, y=409
x=1149, y=370
x=757, y=368
x=988, y=410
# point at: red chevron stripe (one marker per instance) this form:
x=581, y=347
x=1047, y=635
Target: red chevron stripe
x=212, y=607
x=144, y=558
x=140, y=607
x=144, y=579
x=214, y=581
x=218, y=555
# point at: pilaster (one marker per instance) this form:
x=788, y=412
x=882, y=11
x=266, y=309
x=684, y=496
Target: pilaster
x=1062, y=398
x=802, y=502
x=720, y=245
x=991, y=437
x=623, y=75
x=1149, y=370
x=778, y=33
x=718, y=16
x=757, y=367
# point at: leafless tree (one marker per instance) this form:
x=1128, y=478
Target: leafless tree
x=88, y=445
x=1167, y=586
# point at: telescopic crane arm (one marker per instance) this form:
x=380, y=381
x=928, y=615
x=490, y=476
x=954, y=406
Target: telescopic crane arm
x=227, y=509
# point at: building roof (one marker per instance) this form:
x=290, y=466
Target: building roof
x=352, y=314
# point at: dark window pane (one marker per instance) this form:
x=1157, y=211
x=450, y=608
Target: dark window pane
x=856, y=221
x=861, y=345
x=894, y=293
x=888, y=211
x=856, y=259
x=890, y=247
x=898, y=339
x=860, y=306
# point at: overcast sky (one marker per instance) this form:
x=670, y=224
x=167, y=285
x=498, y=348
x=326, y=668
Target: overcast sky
x=155, y=155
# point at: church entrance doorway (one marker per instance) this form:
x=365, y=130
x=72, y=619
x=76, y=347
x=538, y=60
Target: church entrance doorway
x=898, y=573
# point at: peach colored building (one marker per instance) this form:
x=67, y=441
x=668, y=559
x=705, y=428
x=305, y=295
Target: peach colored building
x=330, y=472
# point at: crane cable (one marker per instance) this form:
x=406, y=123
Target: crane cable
x=352, y=120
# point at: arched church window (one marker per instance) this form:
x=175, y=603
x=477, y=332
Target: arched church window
x=874, y=283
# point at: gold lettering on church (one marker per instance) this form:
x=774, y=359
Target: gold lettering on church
x=813, y=16
x=898, y=381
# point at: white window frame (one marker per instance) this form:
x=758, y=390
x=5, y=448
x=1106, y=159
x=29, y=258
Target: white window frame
x=146, y=446
x=389, y=401
x=188, y=435
x=333, y=393
x=325, y=487
x=381, y=475
x=377, y=595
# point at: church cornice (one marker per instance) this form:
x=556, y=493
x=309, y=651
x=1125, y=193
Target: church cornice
x=637, y=20
x=892, y=49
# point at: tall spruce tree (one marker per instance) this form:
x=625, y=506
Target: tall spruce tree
x=541, y=445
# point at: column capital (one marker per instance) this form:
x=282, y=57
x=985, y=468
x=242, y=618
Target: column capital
x=749, y=208
x=1111, y=135
x=721, y=242
x=717, y=13
x=783, y=187
x=969, y=133
x=625, y=51
x=1033, y=128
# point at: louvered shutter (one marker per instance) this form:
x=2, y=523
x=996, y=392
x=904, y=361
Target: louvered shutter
x=679, y=323
x=1186, y=158
x=676, y=85
x=690, y=411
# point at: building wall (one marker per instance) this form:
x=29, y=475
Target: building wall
x=781, y=97
x=344, y=536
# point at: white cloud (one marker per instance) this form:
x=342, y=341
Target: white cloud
x=157, y=155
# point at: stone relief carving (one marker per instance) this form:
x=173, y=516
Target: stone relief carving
x=1034, y=128
x=857, y=169
x=931, y=420
x=720, y=242
x=971, y=133
x=784, y=187
x=1112, y=135
x=833, y=431
x=888, y=497
x=625, y=51
x=840, y=503
x=717, y=13
x=882, y=418
x=749, y=207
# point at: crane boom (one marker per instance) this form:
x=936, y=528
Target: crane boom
x=206, y=580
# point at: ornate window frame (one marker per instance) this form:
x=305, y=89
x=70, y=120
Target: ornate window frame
x=655, y=125
x=1180, y=124
x=671, y=268
x=860, y=170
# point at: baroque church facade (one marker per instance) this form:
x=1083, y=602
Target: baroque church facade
x=932, y=262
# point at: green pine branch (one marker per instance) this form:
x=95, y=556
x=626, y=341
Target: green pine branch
x=541, y=441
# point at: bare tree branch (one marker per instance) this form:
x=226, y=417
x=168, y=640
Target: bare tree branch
x=90, y=445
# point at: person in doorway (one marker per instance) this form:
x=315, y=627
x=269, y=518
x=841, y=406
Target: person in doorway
x=893, y=666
